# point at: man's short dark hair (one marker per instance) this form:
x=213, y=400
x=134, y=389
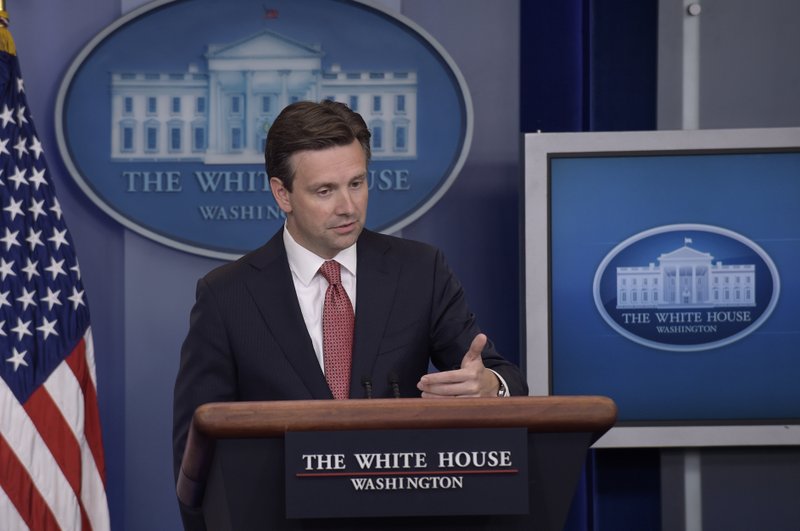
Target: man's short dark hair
x=306, y=125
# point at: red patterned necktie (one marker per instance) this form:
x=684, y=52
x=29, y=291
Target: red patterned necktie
x=337, y=331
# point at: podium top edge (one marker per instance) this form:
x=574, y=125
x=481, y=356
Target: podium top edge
x=594, y=414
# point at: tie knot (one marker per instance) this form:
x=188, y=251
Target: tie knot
x=331, y=270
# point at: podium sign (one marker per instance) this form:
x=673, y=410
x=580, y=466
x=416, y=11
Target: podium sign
x=414, y=472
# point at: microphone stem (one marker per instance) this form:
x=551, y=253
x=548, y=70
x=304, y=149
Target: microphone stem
x=367, y=383
x=394, y=381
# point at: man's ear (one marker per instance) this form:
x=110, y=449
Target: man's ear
x=281, y=194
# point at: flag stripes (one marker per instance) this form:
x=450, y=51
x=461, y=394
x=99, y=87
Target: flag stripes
x=54, y=479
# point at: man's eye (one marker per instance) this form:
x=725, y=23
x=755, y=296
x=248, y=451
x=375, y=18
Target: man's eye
x=356, y=184
x=323, y=191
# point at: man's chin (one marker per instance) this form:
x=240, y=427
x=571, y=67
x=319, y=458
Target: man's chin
x=345, y=238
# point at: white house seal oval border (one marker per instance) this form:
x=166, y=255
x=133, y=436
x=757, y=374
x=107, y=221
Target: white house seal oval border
x=162, y=126
x=686, y=287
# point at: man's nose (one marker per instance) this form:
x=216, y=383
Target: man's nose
x=344, y=202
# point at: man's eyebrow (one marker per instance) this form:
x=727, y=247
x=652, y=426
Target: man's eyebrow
x=332, y=184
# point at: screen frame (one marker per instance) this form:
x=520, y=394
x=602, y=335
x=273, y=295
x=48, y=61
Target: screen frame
x=539, y=148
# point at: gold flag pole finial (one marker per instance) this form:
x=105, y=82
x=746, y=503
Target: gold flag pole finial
x=6, y=41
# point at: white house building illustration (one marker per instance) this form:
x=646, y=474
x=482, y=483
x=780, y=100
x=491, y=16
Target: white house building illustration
x=687, y=278
x=221, y=114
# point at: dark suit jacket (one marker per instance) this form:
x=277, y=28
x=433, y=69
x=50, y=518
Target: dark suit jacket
x=247, y=339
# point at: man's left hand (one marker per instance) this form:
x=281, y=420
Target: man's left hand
x=472, y=379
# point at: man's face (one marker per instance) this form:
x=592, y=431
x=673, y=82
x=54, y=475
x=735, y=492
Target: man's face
x=327, y=207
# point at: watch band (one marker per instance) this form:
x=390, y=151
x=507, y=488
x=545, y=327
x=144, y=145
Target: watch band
x=501, y=390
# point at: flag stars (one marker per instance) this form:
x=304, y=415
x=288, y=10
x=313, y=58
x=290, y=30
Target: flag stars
x=26, y=299
x=76, y=298
x=4, y=299
x=34, y=238
x=77, y=269
x=20, y=147
x=56, y=208
x=10, y=239
x=14, y=208
x=6, y=269
x=18, y=177
x=37, y=178
x=22, y=329
x=21, y=116
x=56, y=268
x=36, y=148
x=17, y=358
x=52, y=298
x=59, y=238
x=6, y=116
x=48, y=328
x=36, y=209
x=31, y=269
x=3, y=146
x=20, y=85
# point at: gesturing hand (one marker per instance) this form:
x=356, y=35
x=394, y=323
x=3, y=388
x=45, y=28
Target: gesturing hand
x=471, y=379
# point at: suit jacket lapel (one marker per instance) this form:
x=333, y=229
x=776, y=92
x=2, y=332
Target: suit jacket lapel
x=376, y=285
x=273, y=290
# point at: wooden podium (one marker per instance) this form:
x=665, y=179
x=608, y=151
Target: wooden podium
x=233, y=477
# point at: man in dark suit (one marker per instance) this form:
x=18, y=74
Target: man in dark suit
x=256, y=329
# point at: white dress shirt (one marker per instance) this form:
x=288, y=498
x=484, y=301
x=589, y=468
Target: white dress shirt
x=310, y=285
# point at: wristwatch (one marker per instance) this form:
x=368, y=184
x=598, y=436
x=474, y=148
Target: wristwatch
x=501, y=390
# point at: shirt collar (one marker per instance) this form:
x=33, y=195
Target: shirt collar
x=305, y=264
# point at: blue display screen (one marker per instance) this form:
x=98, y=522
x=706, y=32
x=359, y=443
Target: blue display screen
x=675, y=284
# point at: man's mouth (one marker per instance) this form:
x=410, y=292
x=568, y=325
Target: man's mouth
x=345, y=227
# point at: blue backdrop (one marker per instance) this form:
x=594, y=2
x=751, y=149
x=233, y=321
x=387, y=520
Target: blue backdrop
x=572, y=78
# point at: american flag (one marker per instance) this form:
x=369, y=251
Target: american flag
x=52, y=471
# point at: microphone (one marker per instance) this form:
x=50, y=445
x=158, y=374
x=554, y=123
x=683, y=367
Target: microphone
x=367, y=383
x=394, y=382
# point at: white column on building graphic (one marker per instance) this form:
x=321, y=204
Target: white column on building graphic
x=214, y=114
x=677, y=284
x=694, y=284
x=316, y=86
x=249, y=111
x=688, y=290
x=676, y=297
x=675, y=288
x=283, y=97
